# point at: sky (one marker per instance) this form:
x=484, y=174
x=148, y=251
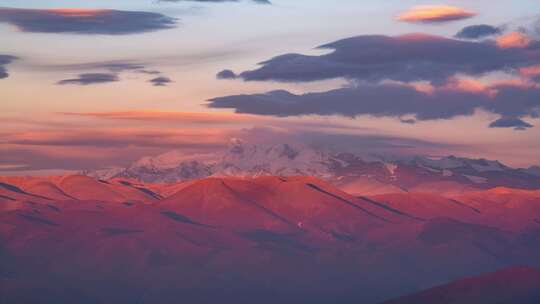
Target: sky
x=97, y=84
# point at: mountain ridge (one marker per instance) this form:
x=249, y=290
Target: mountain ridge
x=300, y=235
x=386, y=174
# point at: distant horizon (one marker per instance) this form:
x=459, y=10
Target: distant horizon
x=368, y=157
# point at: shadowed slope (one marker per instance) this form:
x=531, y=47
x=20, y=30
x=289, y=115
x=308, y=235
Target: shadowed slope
x=48, y=189
x=510, y=286
x=86, y=188
x=214, y=201
x=368, y=186
x=427, y=206
x=510, y=208
x=282, y=204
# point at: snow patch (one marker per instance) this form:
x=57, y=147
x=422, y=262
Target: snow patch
x=476, y=179
x=391, y=168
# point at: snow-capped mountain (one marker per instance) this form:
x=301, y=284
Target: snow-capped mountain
x=240, y=159
x=283, y=160
x=351, y=171
x=452, y=162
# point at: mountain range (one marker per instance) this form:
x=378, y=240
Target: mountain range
x=269, y=239
x=353, y=173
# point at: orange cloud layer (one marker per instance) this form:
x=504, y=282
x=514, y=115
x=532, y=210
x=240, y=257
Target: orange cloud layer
x=230, y=120
x=188, y=117
x=490, y=89
x=77, y=12
x=469, y=85
x=530, y=71
x=513, y=40
x=434, y=13
x=119, y=138
x=99, y=147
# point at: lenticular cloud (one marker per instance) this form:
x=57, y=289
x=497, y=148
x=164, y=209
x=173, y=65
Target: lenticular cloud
x=85, y=21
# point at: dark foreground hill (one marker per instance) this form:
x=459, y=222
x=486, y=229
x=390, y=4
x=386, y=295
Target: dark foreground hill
x=509, y=286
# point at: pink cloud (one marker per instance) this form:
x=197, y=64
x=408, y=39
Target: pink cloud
x=187, y=117
x=530, y=71
x=434, y=14
x=77, y=12
x=76, y=149
x=513, y=40
x=119, y=138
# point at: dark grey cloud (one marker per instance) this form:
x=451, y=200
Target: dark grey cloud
x=90, y=78
x=366, y=99
x=340, y=142
x=511, y=122
x=160, y=81
x=403, y=58
x=226, y=74
x=119, y=66
x=478, y=31
x=115, y=66
x=85, y=21
x=216, y=1
x=5, y=60
x=380, y=144
x=389, y=100
x=106, y=71
x=408, y=121
x=368, y=61
x=150, y=72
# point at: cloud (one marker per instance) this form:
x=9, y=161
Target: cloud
x=75, y=149
x=407, y=58
x=226, y=74
x=107, y=138
x=531, y=72
x=106, y=71
x=171, y=116
x=94, y=147
x=5, y=60
x=511, y=122
x=343, y=142
x=85, y=21
x=513, y=40
x=216, y=1
x=150, y=72
x=115, y=66
x=221, y=119
x=408, y=121
x=423, y=76
x=90, y=78
x=391, y=100
x=160, y=81
x=478, y=31
x=434, y=14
